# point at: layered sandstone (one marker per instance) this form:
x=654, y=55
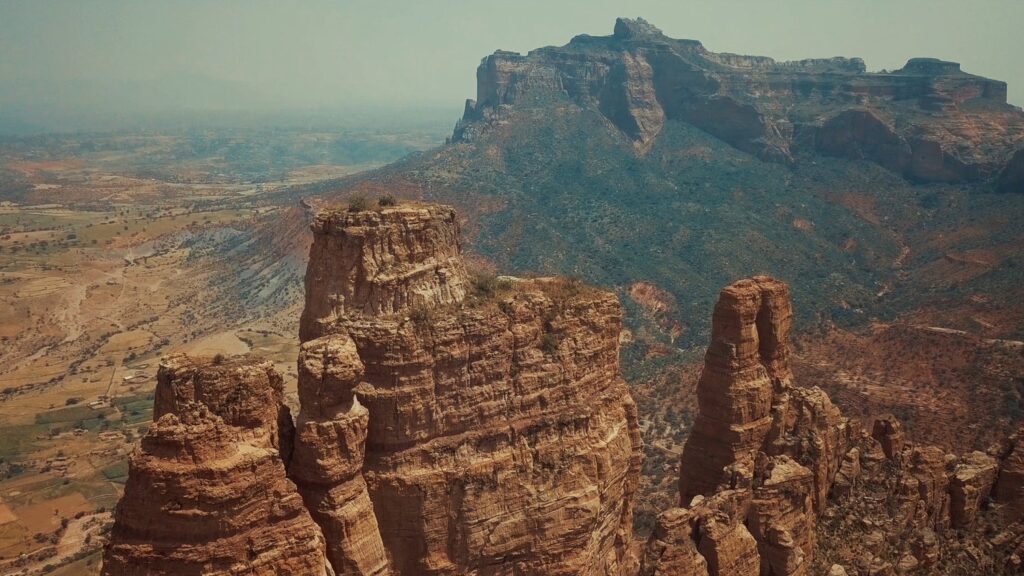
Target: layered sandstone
x=1009, y=489
x=329, y=451
x=814, y=491
x=929, y=121
x=970, y=486
x=247, y=392
x=500, y=438
x=381, y=261
x=707, y=537
x=755, y=432
x=207, y=491
x=745, y=363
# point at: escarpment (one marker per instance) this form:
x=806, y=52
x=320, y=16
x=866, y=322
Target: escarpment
x=929, y=121
x=500, y=437
x=207, y=491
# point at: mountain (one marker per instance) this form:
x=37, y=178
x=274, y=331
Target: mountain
x=636, y=158
x=929, y=121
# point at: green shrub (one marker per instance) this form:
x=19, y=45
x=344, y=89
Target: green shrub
x=358, y=204
x=549, y=343
x=485, y=285
x=422, y=316
x=387, y=200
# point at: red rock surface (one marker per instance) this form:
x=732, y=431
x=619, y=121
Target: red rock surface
x=463, y=424
x=207, y=491
x=381, y=261
x=818, y=493
x=329, y=451
x=501, y=438
x=1009, y=488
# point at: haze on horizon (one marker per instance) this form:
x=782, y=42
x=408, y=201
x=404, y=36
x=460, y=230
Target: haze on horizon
x=115, y=63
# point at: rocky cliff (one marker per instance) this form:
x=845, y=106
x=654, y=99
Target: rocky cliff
x=929, y=120
x=207, y=491
x=462, y=423
x=774, y=480
x=500, y=437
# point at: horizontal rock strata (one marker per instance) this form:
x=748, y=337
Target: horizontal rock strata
x=207, y=491
x=500, y=438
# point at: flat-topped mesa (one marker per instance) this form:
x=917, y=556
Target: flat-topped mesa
x=930, y=67
x=207, y=491
x=381, y=261
x=746, y=364
x=928, y=121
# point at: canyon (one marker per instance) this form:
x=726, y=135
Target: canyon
x=435, y=417
x=456, y=422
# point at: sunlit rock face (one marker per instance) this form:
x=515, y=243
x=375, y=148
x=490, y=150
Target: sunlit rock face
x=496, y=434
x=207, y=491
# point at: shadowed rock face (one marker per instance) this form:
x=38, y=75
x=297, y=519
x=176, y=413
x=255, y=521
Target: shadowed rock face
x=1011, y=180
x=929, y=121
x=500, y=438
x=207, y=491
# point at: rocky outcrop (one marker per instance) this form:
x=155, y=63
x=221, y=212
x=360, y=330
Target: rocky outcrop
x=500, y=437
x=781, y=446
x=745, y=363
x=245, y=391
x=381, y=261
x=1011, y=179
x=466, y=424
x=814, y=491
x=707, y=537
x=1009, y=489
x=929, y=121
x=330, y=444
x=970, y=486
x=207, y=491
x=888, y=431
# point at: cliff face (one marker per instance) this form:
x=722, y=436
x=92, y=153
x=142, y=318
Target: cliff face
x=500, y=437
x=380, y=263
x=929, y=121
x=453, y=423
x=207, y=491
x=802, y=490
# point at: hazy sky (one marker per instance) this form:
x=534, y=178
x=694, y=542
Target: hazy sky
x=59, y=59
